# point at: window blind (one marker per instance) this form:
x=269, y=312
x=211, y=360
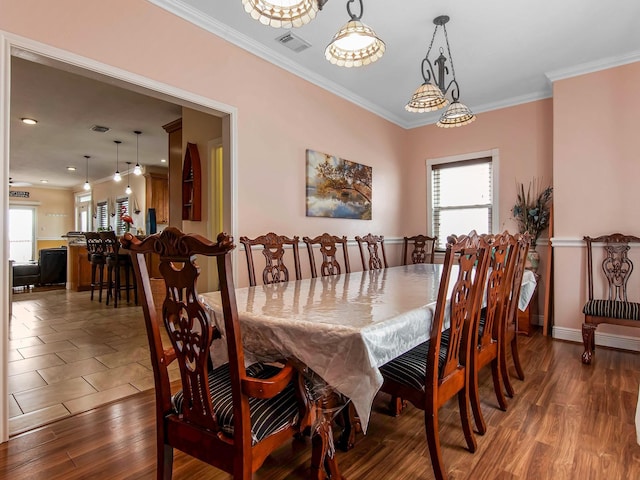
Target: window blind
x=122, y=208
x=102, y=215
x=462, y=198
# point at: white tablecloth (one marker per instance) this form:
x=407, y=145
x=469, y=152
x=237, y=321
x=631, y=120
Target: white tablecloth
x=342, y=327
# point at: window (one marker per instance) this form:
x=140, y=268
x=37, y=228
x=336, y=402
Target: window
x=461, y=195
x=122, y=208
x=102, y=216
x=22, y=233
x=83, y=212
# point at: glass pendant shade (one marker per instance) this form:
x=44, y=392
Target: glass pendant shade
x=137, y=170
x=456, y=115
x=116, y=176
x=87, y=186
x=128, y=190
x=355, y=45
x=282, y=13
x=426, y=98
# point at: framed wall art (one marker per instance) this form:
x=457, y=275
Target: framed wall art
x=337, y=188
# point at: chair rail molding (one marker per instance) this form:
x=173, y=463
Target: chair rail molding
x=561, y=242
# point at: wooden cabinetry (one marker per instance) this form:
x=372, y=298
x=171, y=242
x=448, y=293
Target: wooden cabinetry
x=157, y=196
x=191, y=184
x=78, y=268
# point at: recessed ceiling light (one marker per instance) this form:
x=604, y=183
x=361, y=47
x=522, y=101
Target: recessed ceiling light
x=44, y=181
x=163, y=160
x=29, y=121
x=71, y=169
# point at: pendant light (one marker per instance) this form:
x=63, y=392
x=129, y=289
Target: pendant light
x=128, y=189
x=355, y=44
x=283, y=13
x=137, y=170
x=87, y=185
x=116, y=176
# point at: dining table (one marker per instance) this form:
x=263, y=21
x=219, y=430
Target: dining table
x=341, y=327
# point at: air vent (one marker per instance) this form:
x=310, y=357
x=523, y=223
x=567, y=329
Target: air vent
x=293, y=42
x=99, y=129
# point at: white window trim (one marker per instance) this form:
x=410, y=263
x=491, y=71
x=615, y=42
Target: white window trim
x=495, y=173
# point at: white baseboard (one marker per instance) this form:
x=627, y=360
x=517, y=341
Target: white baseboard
x=622, y=342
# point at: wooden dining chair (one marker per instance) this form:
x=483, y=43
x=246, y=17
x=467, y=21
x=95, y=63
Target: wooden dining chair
x=438, y=369
x=375, y=246
x=423, y=249
x=328, y=246
x=230, y=417
x=273, y=249
x=493, y=315
x=612, y=306
x=510, y=333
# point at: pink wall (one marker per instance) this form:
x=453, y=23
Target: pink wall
x=595, y=172
x=523, y=136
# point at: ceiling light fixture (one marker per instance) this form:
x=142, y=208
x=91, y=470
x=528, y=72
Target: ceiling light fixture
x=355, y=44
x=431, y=96
x=116, y=176
x=71, y=169
x=283, y=13
x=87, y=185
x=137, y=170
x=44, y=181
x=29, y=121
x=128, y=189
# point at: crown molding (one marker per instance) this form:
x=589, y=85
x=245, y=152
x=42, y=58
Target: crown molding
x=190, y=14
x=595, y=66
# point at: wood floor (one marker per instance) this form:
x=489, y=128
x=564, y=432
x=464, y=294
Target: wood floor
x=567, y=421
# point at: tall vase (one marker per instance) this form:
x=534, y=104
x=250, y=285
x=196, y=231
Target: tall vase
x=533, y=259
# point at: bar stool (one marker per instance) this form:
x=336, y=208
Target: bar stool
x=114, y=261
x=96, y=257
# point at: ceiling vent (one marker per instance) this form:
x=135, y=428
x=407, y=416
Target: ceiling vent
x=99, y=129
x=293, y=42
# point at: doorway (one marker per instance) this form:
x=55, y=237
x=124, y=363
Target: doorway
x=24, y=48
x=22, y=233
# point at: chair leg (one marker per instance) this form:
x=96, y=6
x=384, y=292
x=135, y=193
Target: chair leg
x=588, y=338
x=465, y=418
x=516, y=357
x=431, y=426
x=397, y=405
x=101, y=276
x=504, y=370
x=497, y=385
x=474, y=395
x=109, y=283
x=165, y=461
x=93, y=278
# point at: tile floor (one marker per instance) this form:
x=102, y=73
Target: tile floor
x=68, y=354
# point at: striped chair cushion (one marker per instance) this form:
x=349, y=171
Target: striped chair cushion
x=612, y=309
x=410, y=368
x=267, y=415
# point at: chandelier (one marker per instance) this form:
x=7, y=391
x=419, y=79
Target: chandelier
x=283, y=13
x=355, y=44
x=430, y=95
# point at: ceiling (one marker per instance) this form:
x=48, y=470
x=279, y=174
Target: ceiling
x=504, y=51
x=66, y=105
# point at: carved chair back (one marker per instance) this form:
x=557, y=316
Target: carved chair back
x=273, y=249
x=374, y=244
x=94, y=244
x=419, y=249
x=197, y=428
x=328, y=246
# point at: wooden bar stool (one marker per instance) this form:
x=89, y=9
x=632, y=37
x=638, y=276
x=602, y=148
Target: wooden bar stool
x=97, y=260
x=116, y=261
